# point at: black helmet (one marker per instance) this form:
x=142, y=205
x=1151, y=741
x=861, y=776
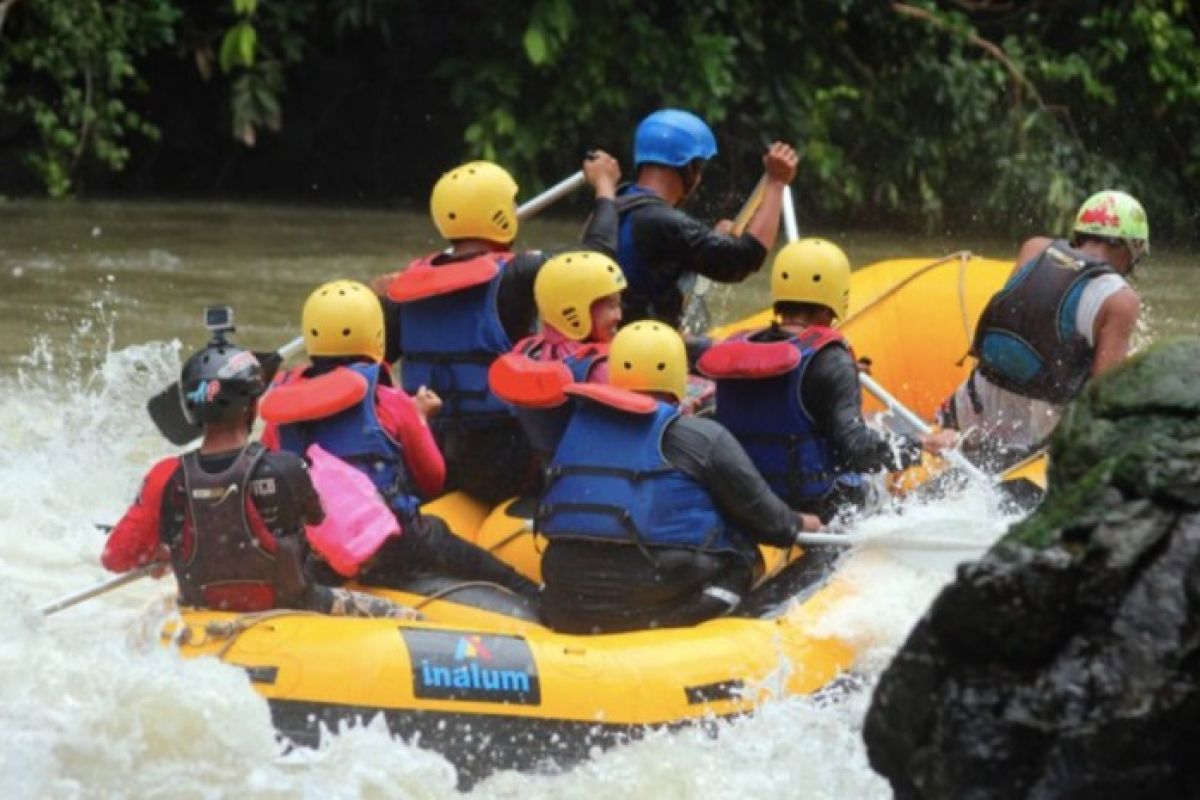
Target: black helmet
x=219, y=383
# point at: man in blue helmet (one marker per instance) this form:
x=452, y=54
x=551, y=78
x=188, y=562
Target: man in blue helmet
x=658, y=244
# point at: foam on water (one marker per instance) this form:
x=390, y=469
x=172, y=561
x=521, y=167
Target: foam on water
x=91, y=706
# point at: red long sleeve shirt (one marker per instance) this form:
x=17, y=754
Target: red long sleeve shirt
x=281, y=502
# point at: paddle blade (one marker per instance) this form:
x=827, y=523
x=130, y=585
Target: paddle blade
x=270, y=362
x=167, y=413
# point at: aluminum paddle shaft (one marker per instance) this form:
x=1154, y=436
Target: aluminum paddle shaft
x=955, y=457
x=103, y=588
x=551, y=196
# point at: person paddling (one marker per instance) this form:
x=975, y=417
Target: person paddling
x=229, y=517
x=790, y=392
x=345, y=404
x=578, y=297
x=651, y=518
x=451, y=314
x=659, y=245
x=1066, y=315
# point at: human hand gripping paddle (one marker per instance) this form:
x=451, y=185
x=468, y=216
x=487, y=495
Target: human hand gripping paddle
x=166, y=408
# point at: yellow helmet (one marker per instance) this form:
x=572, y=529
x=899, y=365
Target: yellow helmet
x=568, y=284
x=812, y=271
x=343, y=318
x=475, y=201
x=648, y=356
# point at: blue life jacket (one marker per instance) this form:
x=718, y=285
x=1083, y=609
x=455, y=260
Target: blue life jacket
x=758, y=400
x=609, y=482
x=354, y=435
x=1026, y=341
x=450, y=333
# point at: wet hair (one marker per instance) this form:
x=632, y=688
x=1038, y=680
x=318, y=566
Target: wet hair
x=794, y=308
x=689, y=174
x=1083, y=238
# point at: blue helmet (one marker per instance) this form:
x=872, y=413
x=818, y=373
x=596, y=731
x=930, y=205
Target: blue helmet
x=674, y=138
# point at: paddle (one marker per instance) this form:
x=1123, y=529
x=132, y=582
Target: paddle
x=953, y=456
x=748, y=208
x=551, y=196
x=95, y=591
x=887, y=540
x=166, y=410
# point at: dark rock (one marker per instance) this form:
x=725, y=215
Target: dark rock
x=1066, y=662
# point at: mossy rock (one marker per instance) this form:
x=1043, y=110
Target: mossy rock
x=1066, y=662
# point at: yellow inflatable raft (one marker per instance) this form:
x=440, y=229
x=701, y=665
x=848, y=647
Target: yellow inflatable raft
x=479, y=680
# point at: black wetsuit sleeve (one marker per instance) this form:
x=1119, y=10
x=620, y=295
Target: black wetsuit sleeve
x=695, y=247
x=517, y=309
x=709, y=453
x=284, y=494
x=602, y=228
x=830, y=392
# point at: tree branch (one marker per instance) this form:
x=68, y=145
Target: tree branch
x=991, y=48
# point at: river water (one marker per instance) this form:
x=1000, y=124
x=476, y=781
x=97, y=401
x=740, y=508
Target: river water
x=97, y=301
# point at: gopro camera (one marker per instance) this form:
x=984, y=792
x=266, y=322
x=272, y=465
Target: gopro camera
x=219, y=320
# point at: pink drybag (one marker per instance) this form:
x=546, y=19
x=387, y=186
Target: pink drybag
x=357, y=521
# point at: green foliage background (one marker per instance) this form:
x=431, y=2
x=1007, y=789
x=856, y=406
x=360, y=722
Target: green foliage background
x=969, y=114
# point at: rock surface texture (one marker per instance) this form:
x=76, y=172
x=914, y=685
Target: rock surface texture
x=1066, y=662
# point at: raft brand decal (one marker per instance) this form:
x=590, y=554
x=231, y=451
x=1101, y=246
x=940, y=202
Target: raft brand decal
x=456, y=665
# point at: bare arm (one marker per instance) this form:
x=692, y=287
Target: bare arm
x=1030, y=250
x=1114, y=328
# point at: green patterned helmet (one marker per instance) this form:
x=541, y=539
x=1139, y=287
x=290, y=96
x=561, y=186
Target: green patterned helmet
x=1115, y=215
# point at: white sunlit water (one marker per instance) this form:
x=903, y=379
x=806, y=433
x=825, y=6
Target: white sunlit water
x=92, y=706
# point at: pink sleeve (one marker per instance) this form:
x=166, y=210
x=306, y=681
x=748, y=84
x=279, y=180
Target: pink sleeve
x=398, y=415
